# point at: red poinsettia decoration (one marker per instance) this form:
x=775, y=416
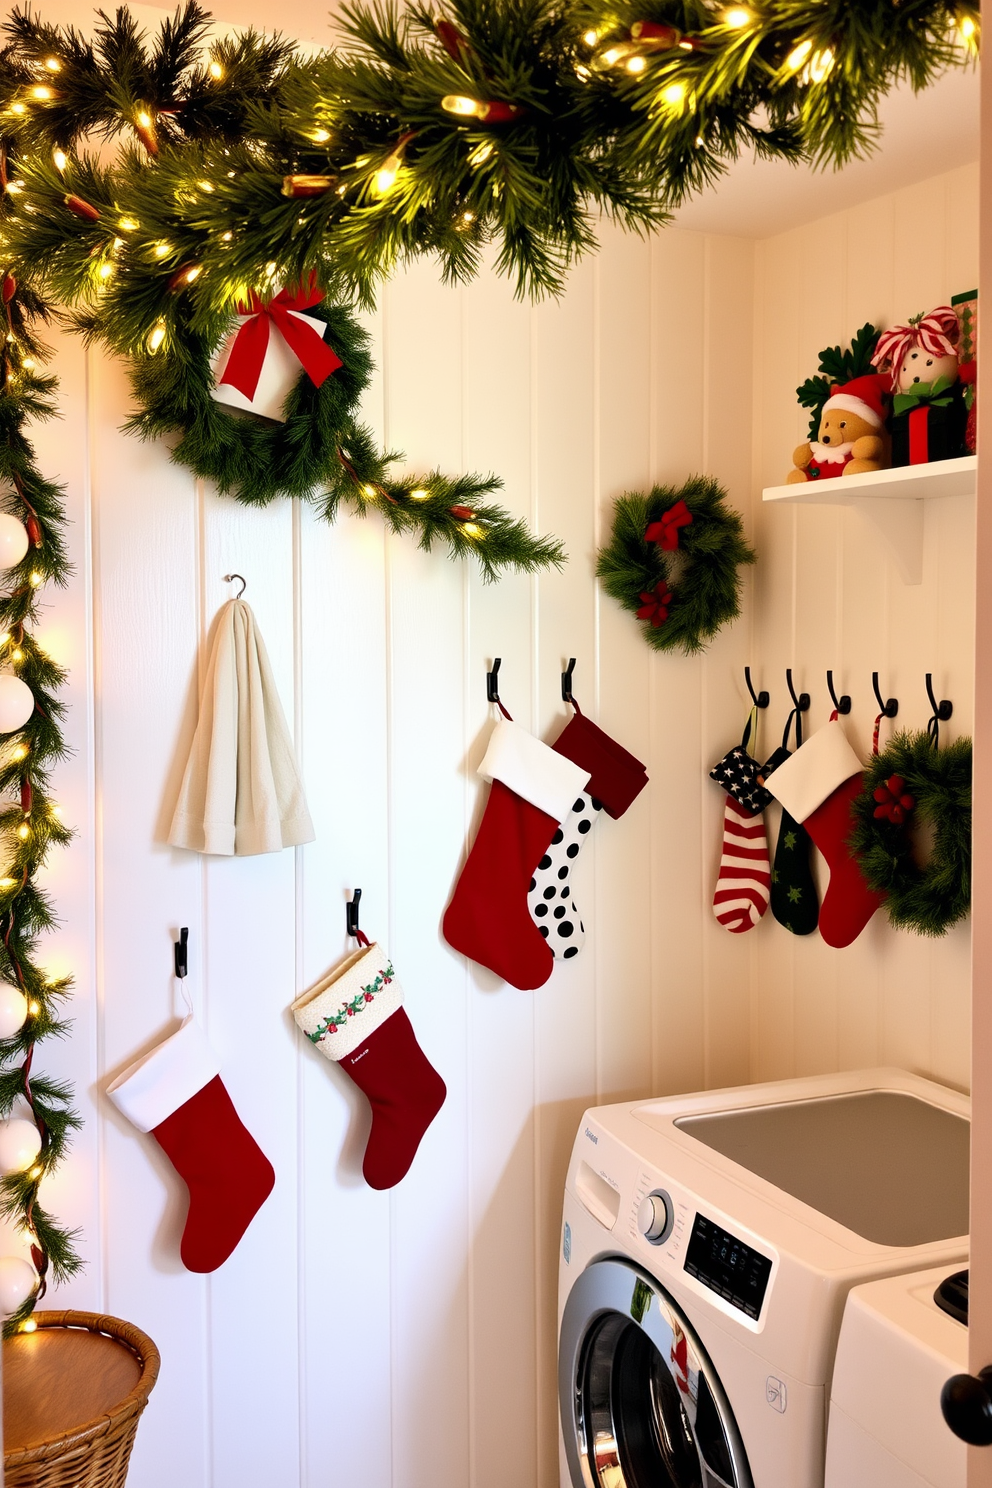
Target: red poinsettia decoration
x=666, y=532
x=655, y=604
x=894, y=802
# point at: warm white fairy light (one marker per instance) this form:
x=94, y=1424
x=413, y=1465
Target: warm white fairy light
x=24, y=832
x=18, y=108
x=162, y=250
x=216, y=71
x=821, y=64
x=636, y=63
x=320, y=136
x=798, y=56
x=674, y=94
x=481, y=154
x=53, y=64
x=34, y=1008
x=737, y=17
x=967, y=28
x=17, y=656
x=155, y=337
x=105, y=270
x=144, y=119
x=369, y=492
x=419, y=494
x=60, y=158
x=457, y=103
x=385, y=176
x=128, y=224
x=41, y=93
x=591, y=38
x=35, y=578
x=471, y=529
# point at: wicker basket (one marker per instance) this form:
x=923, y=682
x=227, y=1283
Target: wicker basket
x=94, y=1454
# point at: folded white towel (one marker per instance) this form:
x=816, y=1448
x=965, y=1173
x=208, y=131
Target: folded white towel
x=242, y=792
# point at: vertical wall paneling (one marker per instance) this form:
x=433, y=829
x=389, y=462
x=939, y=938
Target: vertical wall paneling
x=407, y=1339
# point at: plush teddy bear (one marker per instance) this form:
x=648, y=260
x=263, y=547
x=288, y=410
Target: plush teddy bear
x=851, y=437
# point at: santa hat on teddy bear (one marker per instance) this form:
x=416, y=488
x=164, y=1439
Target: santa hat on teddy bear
x=863, y=397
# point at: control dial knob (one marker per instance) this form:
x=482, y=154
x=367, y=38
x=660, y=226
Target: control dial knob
x=655, y=1215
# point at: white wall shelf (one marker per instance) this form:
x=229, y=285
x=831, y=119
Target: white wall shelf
x=892, y=500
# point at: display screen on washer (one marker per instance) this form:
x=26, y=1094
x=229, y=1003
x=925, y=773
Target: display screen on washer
x=735, y=1271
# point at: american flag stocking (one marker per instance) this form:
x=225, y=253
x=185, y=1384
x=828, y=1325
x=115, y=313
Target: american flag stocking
x=744, y=881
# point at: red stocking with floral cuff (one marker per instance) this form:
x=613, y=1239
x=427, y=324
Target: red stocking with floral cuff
x=176, y=1094
x=355, y=1016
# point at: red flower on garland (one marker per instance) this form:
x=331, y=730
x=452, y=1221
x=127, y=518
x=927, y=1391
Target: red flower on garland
x=656, y=604
x=894, y=802
x=666, y=532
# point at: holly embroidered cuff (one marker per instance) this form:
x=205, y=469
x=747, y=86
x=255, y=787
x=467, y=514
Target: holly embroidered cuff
x=350, y=1003
x=532, y=770
x=159, y=1083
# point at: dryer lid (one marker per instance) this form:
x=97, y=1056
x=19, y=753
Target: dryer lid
x=887, y=1165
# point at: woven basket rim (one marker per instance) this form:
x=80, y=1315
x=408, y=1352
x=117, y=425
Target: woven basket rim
x=132, y=1404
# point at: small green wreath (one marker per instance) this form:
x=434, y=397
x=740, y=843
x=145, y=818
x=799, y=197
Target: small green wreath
x=912, y=781
x=673, y=560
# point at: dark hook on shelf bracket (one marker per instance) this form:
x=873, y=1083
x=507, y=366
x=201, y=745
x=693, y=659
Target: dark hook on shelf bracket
x=842, y=703
x=890, y=707
x=566, y=682
x=351, y=913
x=800, y=703
x=941, y=712
x=492, y=683
x=761, y=700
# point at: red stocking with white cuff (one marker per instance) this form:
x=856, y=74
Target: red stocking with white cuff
x=355, y=1017
x=818, y=786
x=532, y=792
x=176, y=1094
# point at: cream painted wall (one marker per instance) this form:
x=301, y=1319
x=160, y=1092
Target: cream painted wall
x=407, y=1338
x=829, y=595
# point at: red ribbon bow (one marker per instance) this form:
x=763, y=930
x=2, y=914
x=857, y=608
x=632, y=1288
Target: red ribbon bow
x=666, y=532
x=244, y=365
x=656, y=604
x=894, y=801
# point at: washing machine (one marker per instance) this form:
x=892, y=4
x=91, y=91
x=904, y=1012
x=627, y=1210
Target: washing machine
x=708, y=1245
x=900, y=1342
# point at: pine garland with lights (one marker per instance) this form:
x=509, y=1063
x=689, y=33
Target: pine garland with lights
x=30, y=822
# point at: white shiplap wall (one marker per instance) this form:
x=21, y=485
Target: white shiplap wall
x=828, y=595
x=402, y=1339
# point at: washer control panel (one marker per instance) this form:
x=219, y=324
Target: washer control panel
x=656, y=1216
x=732, y=1269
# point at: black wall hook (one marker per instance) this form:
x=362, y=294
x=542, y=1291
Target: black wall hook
x=842, y=703
x=941, y=712
x=762, y=700
x=890, y=707
x=229, y=578
x=181, y=949
x=492, y=683
x=800, y=703
x=351, y=913
x=566, y=681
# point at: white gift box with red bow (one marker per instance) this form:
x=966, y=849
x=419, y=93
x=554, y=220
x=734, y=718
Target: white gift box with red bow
x=281, y=370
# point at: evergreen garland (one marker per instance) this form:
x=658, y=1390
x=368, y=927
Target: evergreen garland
x=928, y=900
x=686, y=594
x=30, y=822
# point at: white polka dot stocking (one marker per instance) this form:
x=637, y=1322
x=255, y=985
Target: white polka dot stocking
x=550, y=899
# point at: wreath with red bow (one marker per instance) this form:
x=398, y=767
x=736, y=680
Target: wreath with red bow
x=674, y=560
x=909, y=789
x=310, y=446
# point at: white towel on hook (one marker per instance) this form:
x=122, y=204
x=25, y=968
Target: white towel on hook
x=241, y=793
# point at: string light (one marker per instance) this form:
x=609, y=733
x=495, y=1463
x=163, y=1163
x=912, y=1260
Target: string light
x=369, y=492
x=216, y=71
x=42, y=94
x=105, y=270
x=18, y=108
x=205, y=185
x=636, y=64
x=128, y=224
x=8, y=883
x=307, y=185
x=821, y=65
x=320, y=136
x=20, y=751
x=456, y=103
x=419, y=494
x=36, y=1172
x=487, y=110
x=481, y=154
x=24, y=832
x=591, y=38
x=184, y=276
x=35, y=578
x=29, y=1326
x=737, y=17
x=17, y=656
x=34, y=1008
x=385, y=176
x=60, y=158
x=14, y=188
x=162, y=250
x=155, y=337
x=967, y=27
x=798, y=56
x=226, y=237
x=53, y=64
x=470, y=529
x=674, y=94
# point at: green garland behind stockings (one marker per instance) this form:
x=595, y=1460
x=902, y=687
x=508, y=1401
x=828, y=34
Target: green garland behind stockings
x=674, y=560
x=913, y=783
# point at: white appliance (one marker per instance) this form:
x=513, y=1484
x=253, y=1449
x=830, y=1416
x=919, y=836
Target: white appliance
x=897, y=1349
x=708, y=1246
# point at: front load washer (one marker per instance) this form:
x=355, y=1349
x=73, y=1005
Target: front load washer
x=708, y=1245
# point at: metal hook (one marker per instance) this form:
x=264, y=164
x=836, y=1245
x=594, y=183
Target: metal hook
x=229, y=578
x=762, y=700
x=351, y=913
x=941, y=712
x=181, y=952
x=842, y=703
x=566, y=681
x=492, y=683
x=800, y=703
x=890, y=707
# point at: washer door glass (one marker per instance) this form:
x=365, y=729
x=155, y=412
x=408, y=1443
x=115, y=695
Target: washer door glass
x=641, y=1404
